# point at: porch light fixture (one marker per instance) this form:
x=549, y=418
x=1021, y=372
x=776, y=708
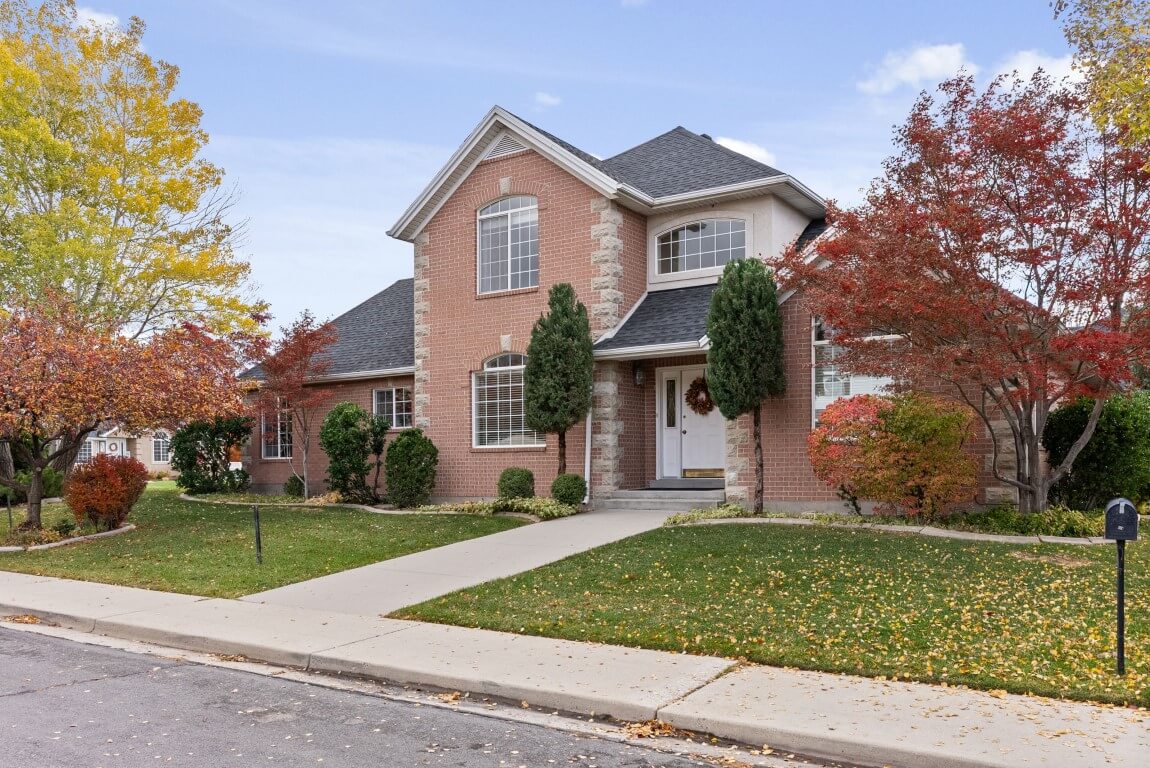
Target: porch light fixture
x=637, y=373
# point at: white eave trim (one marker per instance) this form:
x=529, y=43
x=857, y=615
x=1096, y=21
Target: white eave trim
x=653, y=350
x=422, y=210
x=418, y=213
x=358, y=375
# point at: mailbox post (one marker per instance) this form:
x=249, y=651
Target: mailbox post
x=1121, y=527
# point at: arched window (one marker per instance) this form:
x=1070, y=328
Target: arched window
x=497, y=405
x=704, y=244
x=508, y=239
x=161, y=447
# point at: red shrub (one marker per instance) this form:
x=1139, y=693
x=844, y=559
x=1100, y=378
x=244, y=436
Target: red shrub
x=905, y=452
x=103, y=491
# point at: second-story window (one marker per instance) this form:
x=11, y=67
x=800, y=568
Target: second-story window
x=508, y=235
x=704, y=244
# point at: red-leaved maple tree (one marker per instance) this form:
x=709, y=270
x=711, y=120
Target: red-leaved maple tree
x=290, y=387
x=1007, y=245
x=61, y=378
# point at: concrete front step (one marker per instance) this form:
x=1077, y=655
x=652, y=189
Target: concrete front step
x=688, y=483
x=660, y=505
x=678, y=495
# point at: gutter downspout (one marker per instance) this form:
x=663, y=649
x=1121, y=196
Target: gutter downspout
x=587, y=458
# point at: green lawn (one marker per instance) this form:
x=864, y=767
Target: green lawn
x=1036, y=619
x=209, y=549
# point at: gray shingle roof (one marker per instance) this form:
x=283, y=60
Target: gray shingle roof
x=680, y=161
x=376, y=335
x=676, y=162
x=812, y=230
x=665, y=317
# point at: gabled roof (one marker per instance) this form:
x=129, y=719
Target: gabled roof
x=672, y=318
x=675, y=170
x=680, y=161
x=375, y=337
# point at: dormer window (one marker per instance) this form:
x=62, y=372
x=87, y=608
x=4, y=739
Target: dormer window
x=705, y=244
x=508, y=235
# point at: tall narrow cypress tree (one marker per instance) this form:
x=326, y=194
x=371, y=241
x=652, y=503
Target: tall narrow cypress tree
x=745, y=364
x=558, y=375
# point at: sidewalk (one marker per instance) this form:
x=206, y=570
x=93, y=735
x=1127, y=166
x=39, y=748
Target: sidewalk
x=381, y=588
x=821, y=715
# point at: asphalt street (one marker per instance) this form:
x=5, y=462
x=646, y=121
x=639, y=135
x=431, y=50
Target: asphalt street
x=65, y=704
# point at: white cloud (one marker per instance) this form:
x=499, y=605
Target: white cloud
x=748, y=148
x=544, y=100
x=916, y=67
x=88, y=17
x=1023, y=65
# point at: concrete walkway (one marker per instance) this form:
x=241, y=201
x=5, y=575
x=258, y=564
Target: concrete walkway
x=837, y=717
x=380, y=588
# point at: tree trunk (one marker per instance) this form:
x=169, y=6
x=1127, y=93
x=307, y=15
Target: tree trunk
x=35, y=493
x=7, y=466
x=758, y=438
x=563, y=452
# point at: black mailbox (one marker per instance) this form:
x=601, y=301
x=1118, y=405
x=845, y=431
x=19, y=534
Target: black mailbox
x=1121, y=520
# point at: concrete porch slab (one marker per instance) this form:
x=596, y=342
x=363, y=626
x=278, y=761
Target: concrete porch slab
x=577, y=677
x=867, y=721
x=265, y=632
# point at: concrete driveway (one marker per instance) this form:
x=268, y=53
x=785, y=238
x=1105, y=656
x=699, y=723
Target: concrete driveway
x=381, y=588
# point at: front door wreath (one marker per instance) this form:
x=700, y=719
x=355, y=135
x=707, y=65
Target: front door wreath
x=698, y=397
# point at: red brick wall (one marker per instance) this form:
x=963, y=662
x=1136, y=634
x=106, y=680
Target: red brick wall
x=269, y=475
x=466, y=329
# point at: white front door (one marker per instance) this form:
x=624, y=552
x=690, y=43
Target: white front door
x=691, y=444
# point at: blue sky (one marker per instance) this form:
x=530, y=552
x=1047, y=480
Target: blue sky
x=331, y=116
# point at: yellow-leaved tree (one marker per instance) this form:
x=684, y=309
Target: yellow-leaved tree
x=105, y=197
x=106, y=200
x=1111, y=39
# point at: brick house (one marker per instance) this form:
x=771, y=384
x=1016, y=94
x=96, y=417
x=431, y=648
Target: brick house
x=643, y=237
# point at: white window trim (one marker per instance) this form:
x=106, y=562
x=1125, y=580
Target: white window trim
x=264, y=437
x=391, y=416
x=167, y=440
x=815, y=344
x=479, y=218
x=694, y=276
x=475, y=413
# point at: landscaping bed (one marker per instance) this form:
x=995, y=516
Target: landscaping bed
x=209, y=549
x=1027, y=619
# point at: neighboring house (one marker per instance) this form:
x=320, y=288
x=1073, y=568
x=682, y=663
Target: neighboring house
x=643, y=237
x=152, y=448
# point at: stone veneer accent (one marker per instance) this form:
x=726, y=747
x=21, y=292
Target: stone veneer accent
x=422, y=416
x=607, y=259
x=738, y=466
x=607, y=428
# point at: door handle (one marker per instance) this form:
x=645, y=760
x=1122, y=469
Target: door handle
x=684, y=431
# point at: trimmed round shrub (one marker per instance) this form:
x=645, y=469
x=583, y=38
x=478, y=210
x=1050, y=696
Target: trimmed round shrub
x=201, y=454
x=1116, y=461
x=294, y=487
x=103, y=491
x=516, y=483
x=569, y=489
x=412, y=460
x=346, y=439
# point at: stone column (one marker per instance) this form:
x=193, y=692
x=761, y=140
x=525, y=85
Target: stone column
x=422, y=416
x=607, y=309
x=740, y=449
x=606, y=426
